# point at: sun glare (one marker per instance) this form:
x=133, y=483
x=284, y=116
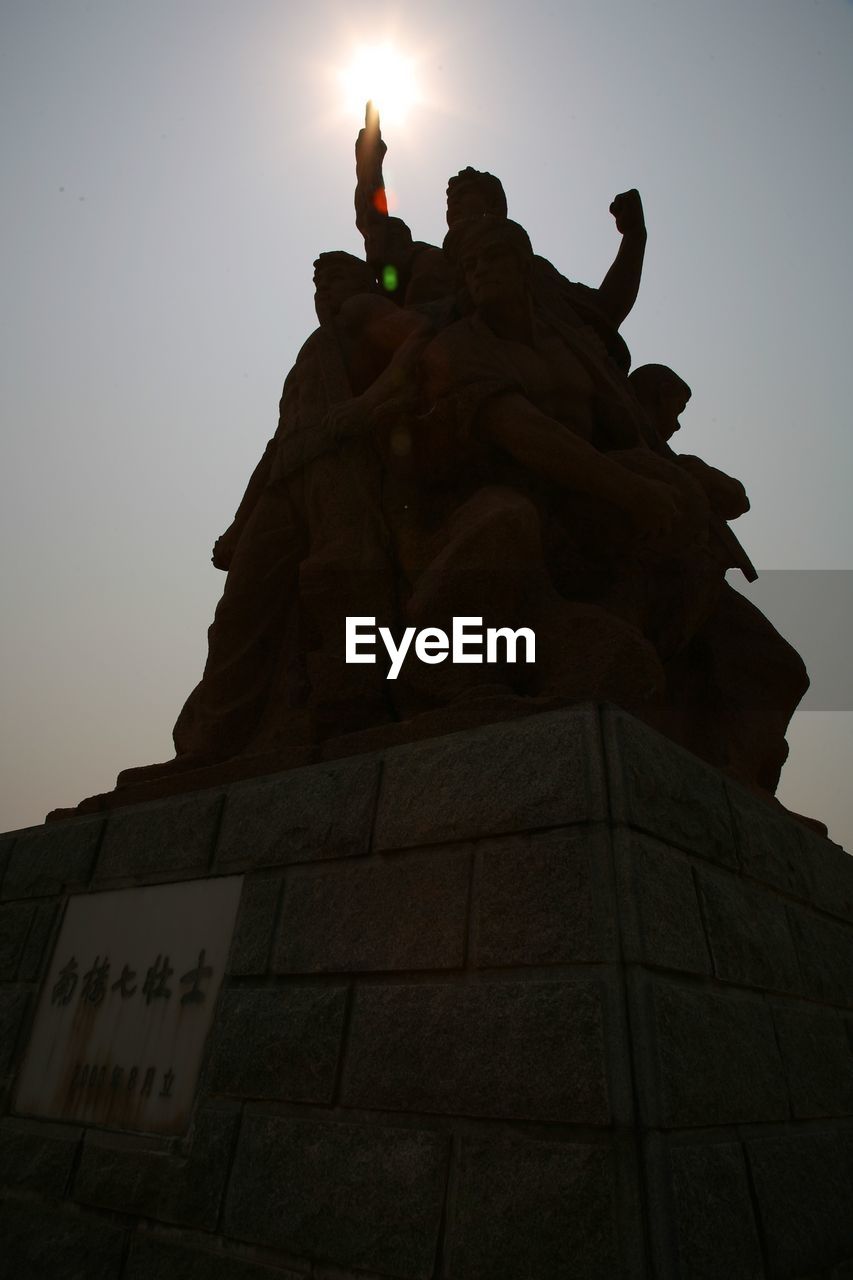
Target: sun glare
x=381, y=73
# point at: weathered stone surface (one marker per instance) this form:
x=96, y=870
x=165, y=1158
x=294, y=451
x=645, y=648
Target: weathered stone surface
x=717, y=1235
x=406, y=913
x=338, y=1273
x=46, y=860
x=658, y=787
x=748, y=934
x=818, y=1060
x=132, y=1175
x=253, y=930
x=37, y=947
x=805, y=1201
x=523, y=1050
x=322, y=811
x=153, y=1259
x=43, y=1242
x=544, y=772
x=658, y=908
x=714, y=1059
x=37, y=1155
x=825, y=949
x=174, y=835
x=543, y=899
x=830, y=871
x=278, y=1043
x=15, y=921
x=769, y=844
x=13, y=1006
x=358, y=1195
x=537, y=1210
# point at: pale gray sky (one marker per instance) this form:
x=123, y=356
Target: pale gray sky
x=172, y=169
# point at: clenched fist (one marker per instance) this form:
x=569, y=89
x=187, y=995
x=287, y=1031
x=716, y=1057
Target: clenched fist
x=627, y=209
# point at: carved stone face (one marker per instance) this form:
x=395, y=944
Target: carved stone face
x=465, y=199
x=494, y=274
x=674, y=396
x=335, y=282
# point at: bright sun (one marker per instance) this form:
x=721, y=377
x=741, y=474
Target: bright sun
x=382, y=73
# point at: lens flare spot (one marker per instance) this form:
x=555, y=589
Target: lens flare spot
x=380, y=200
x=390, y=278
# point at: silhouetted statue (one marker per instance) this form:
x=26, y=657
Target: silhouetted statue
x=307, y=537
x=733, y=682
x=420, y=272
x=460, y=437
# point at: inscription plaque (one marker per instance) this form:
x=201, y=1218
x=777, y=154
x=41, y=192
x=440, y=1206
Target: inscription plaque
x=127, y=1005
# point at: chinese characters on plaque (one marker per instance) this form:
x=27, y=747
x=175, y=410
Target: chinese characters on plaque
x=128, y=1002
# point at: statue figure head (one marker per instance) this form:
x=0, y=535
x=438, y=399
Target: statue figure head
x=662, y=394
x=338, y=276
x=472, y=193
x=493, y=256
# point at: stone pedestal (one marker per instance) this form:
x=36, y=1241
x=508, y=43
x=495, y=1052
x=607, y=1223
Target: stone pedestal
x=538, y=1000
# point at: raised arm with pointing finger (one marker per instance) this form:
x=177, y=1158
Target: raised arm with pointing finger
x=370, y=200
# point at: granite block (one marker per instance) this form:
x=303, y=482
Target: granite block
x=665, y=791
x=818, y=1060
x=830, y=872
x=170, y=835
x=37, y=948
x=409, y=912
x=253, y=930
x=714, y=1222
x=712, y=1058
x=748, y=934
x=541, y=772
x=13, y=1007
x=825, y=949
x=538, y=1210
x=325, y=1272
x=15, y=921
x=278, y=1043
x=805, y=1201
x=769, y=844
x=132, y=1175
x=37, y=1155
x=154, y=1259
x=530, y=1051
x=362, y=1196
x=44, y=1242
x=320, y=811
x=658, y=908
x=47, y=860
x=543, y=899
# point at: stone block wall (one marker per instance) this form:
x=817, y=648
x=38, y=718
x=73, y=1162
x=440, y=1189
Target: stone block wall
x=542, y=999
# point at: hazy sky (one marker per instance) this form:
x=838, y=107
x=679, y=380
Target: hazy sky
x=171, y=170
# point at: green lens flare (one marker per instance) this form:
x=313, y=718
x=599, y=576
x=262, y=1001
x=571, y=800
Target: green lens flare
x=390, y=279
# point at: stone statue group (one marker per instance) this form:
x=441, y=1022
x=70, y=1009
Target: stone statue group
x=462, y=436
